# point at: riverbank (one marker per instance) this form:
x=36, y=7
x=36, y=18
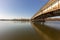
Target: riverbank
x=52, y=19
x=14, y=19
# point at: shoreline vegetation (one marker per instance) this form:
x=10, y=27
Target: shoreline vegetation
x=14, y=19
x=49, y=19
x=52, y=19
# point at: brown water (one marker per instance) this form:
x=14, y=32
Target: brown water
x=19, y=30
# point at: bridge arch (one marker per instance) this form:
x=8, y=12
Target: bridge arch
x=49, y=11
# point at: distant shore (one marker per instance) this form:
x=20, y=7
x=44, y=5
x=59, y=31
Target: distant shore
x=53, y=19
x=14, y=19
x=50, y=19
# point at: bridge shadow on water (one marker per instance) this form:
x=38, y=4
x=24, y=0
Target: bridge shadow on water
x=46, y=32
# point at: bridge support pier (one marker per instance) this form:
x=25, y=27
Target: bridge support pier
x=38, y=20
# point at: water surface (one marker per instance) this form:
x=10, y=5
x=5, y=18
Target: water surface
x=21, y=30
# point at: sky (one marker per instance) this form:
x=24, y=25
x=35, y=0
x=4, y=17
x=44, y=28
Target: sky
x=20, y=8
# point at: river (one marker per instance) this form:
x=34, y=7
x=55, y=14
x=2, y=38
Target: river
x=21, y=30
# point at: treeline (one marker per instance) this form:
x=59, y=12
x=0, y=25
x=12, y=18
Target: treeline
x=14, y=19
x=53, y=19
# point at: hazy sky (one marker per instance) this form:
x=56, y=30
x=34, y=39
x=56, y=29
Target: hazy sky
x=20, y=8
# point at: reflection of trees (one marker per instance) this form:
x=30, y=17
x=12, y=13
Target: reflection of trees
x=21, y=21
x=47, y=32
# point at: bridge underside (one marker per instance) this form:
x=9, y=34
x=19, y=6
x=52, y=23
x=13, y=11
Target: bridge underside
x=46, y=15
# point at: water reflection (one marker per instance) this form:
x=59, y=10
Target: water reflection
x=10, y=30
x=53, y=24
x=19, y=30
x=47, y=31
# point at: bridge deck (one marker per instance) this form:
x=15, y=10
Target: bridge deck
x=50, y=6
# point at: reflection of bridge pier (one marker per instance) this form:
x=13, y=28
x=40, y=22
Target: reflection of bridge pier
x=46, y=32
x=47, y=11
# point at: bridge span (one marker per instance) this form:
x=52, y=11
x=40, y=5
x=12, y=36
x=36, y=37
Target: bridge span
x=52, y=8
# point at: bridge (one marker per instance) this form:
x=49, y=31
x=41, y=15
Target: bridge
x=50, y=9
